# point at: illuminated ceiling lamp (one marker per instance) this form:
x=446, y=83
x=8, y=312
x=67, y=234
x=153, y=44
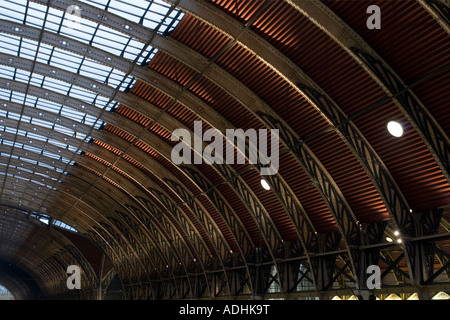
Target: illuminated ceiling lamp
x=395, y=128
x=264, y=184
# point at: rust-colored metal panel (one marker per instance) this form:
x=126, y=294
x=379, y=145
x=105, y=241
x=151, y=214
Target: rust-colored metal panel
x=407, y=158
x=412, y=43
x=271, y=203
x=172, y=69
x=240, y=10
x=307, y=194
x=242, y=213
x=350, y=177
x=121, y=133
x=133, y=115
x=200, y=37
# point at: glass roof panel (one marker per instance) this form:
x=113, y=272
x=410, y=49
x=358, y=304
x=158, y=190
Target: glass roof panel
x=149, y=13
x=63, y=225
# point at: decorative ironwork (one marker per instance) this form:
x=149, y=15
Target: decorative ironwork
x=433, y=135
x=430, y=221
x=441, y=9
x=164, y=234
x=270, y=234
x=147, y=254
x=218, y=241
x=295, y=211
x=329, y=192
x=113, y=250
x=201, y=251
x=383, y=181
x=227, y=213
x=443, y=258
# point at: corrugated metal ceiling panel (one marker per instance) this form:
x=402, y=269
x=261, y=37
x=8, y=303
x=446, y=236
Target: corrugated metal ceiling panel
x=241, y=10
x=200, y=37
x=407, y=159
x=412, y=52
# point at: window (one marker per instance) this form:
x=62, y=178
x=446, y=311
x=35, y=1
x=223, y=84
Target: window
x=5, y=294
x=43, y=104
x=61, y=224
x=46, y=219
x=41, y=217
x=274, y=286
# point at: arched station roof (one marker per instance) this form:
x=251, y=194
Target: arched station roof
x=91, y=93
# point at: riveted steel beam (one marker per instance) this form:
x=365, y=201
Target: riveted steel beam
x=252, y=42
x=166, y=121
x=52, y=39
x=439, y=10
x=94, y=202
x=39, y=92
x=48, y=116
x=211, y=71
x=138, y=32
x=431, y=133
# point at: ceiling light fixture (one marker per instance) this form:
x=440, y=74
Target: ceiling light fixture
x=395, y=128
x=264, y=184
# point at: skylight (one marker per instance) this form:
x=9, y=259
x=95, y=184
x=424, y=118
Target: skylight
x=5, y=294
x=50, y=95
x=63, y=225
x=46, y=219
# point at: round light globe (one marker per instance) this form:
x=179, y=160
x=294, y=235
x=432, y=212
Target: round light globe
x=264, y=184
x=395, y=128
